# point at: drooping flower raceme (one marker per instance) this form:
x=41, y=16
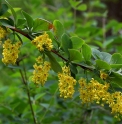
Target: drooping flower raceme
x=94, y=91
x=43, y=42
x=40, y=73
x=10, y=52
x=115, y=103
x=66, y=83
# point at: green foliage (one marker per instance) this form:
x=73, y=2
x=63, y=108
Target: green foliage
x=116, y=79
x=75, y=55
x=86, y=50
x=29, y=20
x=7, y=23
x=100, y=64
x=12, y=11
x=3, y=9
x=40, y=24
x=116, y=58
x=80, y=40
x=66, y=43
x=77, y=42
x=73, y=69
x=58, y=29
x=78, y=6
x=20, y=22
x=116, y=61
x=54, y=64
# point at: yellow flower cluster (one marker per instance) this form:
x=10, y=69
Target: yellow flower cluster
x=43, y=42
x=40, y=73
x=3, y=32
x=97, y=92
x=10, y=52
x=93, y=91
x=103, y=75
x=115, y=103
x=66, y=83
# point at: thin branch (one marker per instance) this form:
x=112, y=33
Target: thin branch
x=55, y=52
x=73, y=63
x=23, y=57
x=28, y=94
x=21, y=32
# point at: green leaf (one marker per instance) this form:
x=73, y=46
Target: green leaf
x=82, y=7
x=17, y=103
x=7, y=22
x=9, y=13
x=3, y=9
x=17, y=9
x=116, y=61
x=29, y=19
x=45, y=105
x=5, y=109
x=116, y=66
x=77, y=42
x=14, y=67
x=116, y=78
x=40, y=24
x=73, y=68
x=86, y=51
x=66, y=43
x=20, y=22
x=96, y=53
x=75, y=55
x=38, y=96
x=74, y=3
x=12, y=10
x=101, y=55
x=116, y=58
x=100, y=64
x=106, y=56
x=54, y=64
x=20, y=38
x=58, y=29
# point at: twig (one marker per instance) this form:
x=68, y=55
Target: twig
x=28, y=94
x=55, y=52
x=73, y=63
x=21, y=32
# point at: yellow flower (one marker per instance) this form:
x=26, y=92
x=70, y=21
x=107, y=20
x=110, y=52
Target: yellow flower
x=40, y=72
x=115, y=103
x=66, y=83
x=39, y=59
x=3, y=33
x=10, y=52
x=43, y=42
x=103, y=75
x=92, y=91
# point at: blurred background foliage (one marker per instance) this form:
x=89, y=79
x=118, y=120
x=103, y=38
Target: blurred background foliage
x=99, y=23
